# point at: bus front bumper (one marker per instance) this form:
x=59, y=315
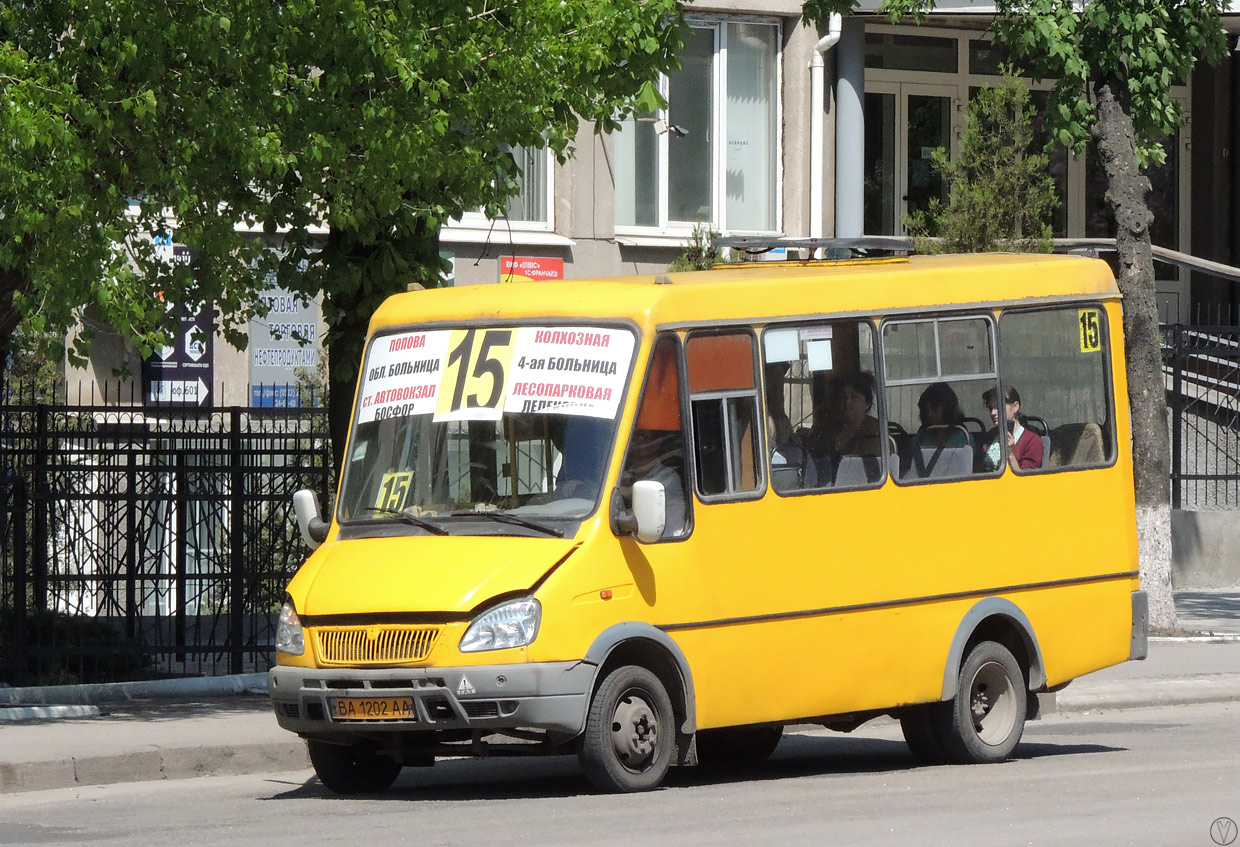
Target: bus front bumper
x=551, y=696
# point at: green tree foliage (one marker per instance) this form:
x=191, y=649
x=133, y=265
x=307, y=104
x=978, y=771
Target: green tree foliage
x=999, y=198
x=1114, y=63
x=377, y=119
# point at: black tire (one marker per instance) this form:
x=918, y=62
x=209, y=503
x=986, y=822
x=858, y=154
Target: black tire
x=352, y=770
x=737, y=747
x=917, y=724
x=630, y=732
x=984, y=722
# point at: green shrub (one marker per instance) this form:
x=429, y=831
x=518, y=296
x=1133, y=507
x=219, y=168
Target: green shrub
x=1000, y=191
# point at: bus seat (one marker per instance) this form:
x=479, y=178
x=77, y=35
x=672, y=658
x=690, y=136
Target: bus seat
x=937, y=462
x=975, y=427
x=785, y=477
x=1076, y=444
x=857, y=470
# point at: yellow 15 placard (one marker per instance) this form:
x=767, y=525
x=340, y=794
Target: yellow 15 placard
x=1091, y=330
x=475, y=379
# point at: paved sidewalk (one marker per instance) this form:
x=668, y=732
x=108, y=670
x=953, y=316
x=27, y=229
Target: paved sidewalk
x=221, y=727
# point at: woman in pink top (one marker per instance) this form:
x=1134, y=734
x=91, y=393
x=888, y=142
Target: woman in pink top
x=1024, y=445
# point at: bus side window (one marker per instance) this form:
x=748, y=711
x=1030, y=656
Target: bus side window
x=1057, y=361
x=723, y=394
x=823, y=428
x=938, y=372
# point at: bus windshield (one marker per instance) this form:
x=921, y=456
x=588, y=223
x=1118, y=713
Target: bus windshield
x=511, y=425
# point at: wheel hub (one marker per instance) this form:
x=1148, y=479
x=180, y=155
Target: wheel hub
x=992, y=702
x=634, y=732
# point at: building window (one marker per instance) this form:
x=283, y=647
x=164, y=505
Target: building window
x=530, y=208
x=712, y=155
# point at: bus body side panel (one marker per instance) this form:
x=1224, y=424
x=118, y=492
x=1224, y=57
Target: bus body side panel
x=848, y=601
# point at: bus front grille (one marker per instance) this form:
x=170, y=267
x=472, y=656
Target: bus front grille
x=375, y=645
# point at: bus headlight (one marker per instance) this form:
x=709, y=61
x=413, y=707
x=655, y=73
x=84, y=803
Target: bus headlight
x=513, y=624
x=288, y=632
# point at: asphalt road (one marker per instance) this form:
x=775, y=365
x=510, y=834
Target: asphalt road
x=1154, y=776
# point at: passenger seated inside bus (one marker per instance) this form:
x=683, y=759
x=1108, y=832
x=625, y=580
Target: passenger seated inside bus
x=942, y=421
x=941, y=446
x=1025, y=448
x=847, y=430
x=792, y=468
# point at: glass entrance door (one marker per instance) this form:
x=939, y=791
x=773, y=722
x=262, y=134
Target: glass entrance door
x=904, y=124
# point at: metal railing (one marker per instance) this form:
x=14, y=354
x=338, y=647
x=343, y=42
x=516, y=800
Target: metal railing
x=1201, y=365
x=140, y=543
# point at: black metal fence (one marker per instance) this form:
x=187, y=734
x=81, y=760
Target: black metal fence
x=141, y=543
x=1202, y=369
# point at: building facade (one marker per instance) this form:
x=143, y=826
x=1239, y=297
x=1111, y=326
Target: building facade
x=751, y=143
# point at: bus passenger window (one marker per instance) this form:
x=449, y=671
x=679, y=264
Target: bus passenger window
x=823, y=429
x=1058, y=360
x=723, y=394
x=937, y=372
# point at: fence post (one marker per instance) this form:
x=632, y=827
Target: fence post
x=236, y=543
x=1178, y=359
x=17, y=643
x=181, y=505
x=41, y=501
x=131, y=545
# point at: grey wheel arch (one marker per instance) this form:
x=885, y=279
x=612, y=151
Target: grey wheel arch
x=1010, y=615
x=646, y=637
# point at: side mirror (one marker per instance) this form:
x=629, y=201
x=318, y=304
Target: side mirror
x=313, y=528
x=649, y=516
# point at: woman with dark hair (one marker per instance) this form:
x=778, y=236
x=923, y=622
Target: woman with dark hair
x=850, y=429
x=942, y=421
x=1025, y=450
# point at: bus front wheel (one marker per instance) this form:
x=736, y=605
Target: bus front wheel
x=352, y=770
x=984, y=722
x=630, y=732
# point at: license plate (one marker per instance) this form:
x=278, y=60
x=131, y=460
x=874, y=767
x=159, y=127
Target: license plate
x=373, y=709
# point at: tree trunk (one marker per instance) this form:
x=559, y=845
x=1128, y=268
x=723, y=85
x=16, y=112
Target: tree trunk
x=1126, y=194
x=362, y=274
x=10, y=283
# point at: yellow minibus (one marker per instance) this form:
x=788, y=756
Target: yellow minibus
x=652, y=521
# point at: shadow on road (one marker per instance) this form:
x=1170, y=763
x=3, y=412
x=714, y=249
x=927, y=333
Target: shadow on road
x=798, y=756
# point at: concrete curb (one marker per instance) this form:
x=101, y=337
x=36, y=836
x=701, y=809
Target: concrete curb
x=1183, y=691
x=155, y=763
x=36, y=713
x=113, y=692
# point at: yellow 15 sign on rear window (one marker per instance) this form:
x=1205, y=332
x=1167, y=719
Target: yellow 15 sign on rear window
x=1089, y=322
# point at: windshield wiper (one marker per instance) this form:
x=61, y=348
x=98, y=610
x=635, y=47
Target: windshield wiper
x=405, y=517
x=504, y=517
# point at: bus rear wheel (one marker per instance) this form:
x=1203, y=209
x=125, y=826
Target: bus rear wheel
x=630, y=732
x=985, y=720
x=352, y=769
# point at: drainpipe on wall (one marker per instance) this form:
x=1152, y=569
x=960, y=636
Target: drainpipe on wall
x=817, y=94
x=850, y=130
